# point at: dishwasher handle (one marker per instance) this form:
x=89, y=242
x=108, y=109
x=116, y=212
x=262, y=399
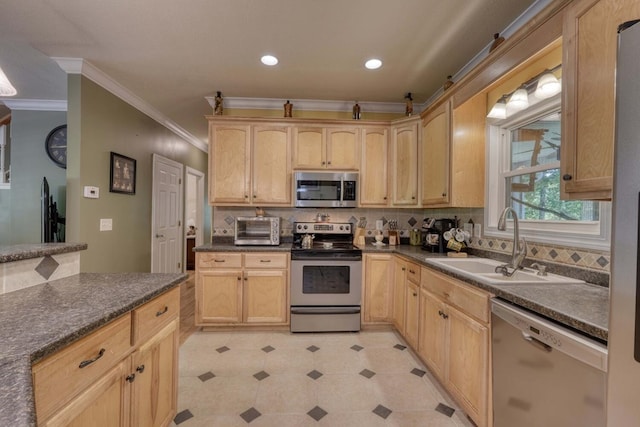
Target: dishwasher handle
x=536, y=343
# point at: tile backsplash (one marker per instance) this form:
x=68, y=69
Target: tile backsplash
x=593, y=260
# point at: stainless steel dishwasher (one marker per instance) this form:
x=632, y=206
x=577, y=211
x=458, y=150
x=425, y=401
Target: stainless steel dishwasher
x=544, y=375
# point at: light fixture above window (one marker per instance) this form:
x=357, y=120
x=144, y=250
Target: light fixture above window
x=548, y=85
x=499, y=110
x=373, y=64
x=519, y=100
x=269, y=60
x=6, y=88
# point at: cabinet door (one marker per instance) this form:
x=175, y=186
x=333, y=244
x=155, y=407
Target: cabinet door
x=154, y=392
x=412, y=319
x=309, y=151
x=219, y=296
x=373, y=169
x=399, y=293
x=343, y=148
x=433, y=333
x=265, y=296
x=404, y=174
x=270, y=153
x=468, y=153
x=588, y=77
x=229, y=164
x=377, y=288
x=468, y=371
x=103, y=404
x=435, y=157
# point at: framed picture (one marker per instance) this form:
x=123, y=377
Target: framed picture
x=122, y=177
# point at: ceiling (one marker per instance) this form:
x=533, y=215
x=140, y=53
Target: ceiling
x=172, y=54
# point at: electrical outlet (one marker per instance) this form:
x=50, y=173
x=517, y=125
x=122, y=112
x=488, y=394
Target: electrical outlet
x=106, y=224
x=379, y=224
x=477, y=230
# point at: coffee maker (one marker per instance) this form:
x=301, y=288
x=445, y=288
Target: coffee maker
x=432, y=230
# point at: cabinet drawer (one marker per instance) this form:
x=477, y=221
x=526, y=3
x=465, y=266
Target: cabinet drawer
x=469, y=300
x=62, y=375
x=152, y=316
x=413, y=272
x=219, y=260
x=265, y=260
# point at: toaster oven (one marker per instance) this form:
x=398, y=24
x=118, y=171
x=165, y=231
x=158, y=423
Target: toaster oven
x=257, y=230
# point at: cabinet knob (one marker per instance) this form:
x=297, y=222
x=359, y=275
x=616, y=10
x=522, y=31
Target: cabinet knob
x=323, y=163
x=444, y=194
x=254, y=196
x=413, y=197
x=415, y=294
x=131, y=378
x=328, y=163
x=384, y=198
x=567, y=177
x=404, y=269
x=239, y=278
x=140, y=369
x=246, y=197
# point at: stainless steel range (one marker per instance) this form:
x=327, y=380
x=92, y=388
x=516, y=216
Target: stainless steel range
x=326, y=278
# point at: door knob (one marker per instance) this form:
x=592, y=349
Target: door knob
x=158, y=236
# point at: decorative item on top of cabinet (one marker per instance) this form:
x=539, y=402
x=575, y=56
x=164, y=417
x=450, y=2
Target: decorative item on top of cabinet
x=408, y=109
x=497, y=41
x=356, y=111
x=589, y=46
x=288, y=109
x=374, y=187
x=218, y=107
x=447, y=83
x=404, y=163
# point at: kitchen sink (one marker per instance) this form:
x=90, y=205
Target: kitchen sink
x=483, y=270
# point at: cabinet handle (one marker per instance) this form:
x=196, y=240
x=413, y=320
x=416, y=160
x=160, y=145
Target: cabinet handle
x=413, y=197
x=567, y=177
x=218, y=260
x=415, y=294
x=265, y=260
x=329, y=163
x=140, y=369
x=160, y=313
x=404, y=269
x=412, y=272
x=159, y=236
x=86, y=363
x=131, y=378
x=254, y=196
x=443, y=314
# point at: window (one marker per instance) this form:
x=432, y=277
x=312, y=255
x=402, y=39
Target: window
x=524, y=173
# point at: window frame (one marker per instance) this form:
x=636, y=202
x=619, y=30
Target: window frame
x=583, y=234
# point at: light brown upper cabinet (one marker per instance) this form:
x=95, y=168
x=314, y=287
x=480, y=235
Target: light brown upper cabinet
x=249, y=165
x=374, y=188
x=229, y=164
x=589, y=64
x=468, y=153
x=436, y=137
x=404, y=163
x=326, y=148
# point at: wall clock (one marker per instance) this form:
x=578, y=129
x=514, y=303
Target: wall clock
x=56, y=146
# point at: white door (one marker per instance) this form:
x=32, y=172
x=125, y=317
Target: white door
x=166, y=226
x=193, y=208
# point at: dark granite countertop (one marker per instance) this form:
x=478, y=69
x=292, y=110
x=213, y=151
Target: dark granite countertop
x=39, y=320
x=583, y=307
x=10, y=253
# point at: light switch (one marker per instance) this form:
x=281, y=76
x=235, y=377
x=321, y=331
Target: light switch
x=91, y=192
x=106, y=224
x=477, y=230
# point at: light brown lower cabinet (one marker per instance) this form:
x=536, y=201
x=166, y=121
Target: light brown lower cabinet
x=123, y=374
x=377, y=293
x=454, y=340
x=242, y=288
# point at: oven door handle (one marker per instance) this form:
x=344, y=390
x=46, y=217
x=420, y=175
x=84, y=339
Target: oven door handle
x=325, y=310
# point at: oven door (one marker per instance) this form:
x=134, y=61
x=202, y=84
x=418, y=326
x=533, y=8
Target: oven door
x=330, y=282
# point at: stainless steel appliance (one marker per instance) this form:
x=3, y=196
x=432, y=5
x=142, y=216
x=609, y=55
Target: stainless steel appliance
x=623, y=407
x=544, y=374
x=257, y=230
x=326, y=189
x=326, y=278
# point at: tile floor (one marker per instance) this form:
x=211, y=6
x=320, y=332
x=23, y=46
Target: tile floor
x=282, y=379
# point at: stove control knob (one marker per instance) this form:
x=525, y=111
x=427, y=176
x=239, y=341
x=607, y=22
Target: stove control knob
x=342, y=227
x=305, y=227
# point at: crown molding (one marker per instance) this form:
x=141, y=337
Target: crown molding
x=85, y=68
x=36, y=104
x=309, y=104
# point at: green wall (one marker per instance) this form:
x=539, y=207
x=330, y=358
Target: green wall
x=99, y=123
x=20, y=205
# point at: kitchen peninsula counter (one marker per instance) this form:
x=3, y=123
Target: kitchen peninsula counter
x=40, y=320
x=583, y=307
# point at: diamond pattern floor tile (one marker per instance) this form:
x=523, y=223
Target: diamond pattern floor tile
x=317, y=413
x=250, y=414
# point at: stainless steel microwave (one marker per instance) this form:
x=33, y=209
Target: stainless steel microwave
x=257, y=230
x=326, y=189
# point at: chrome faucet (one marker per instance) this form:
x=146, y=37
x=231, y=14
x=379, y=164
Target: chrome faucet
x=519, y=245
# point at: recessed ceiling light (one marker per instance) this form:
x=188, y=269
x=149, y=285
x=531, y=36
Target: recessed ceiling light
x=373, y=64
x=269, y=60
